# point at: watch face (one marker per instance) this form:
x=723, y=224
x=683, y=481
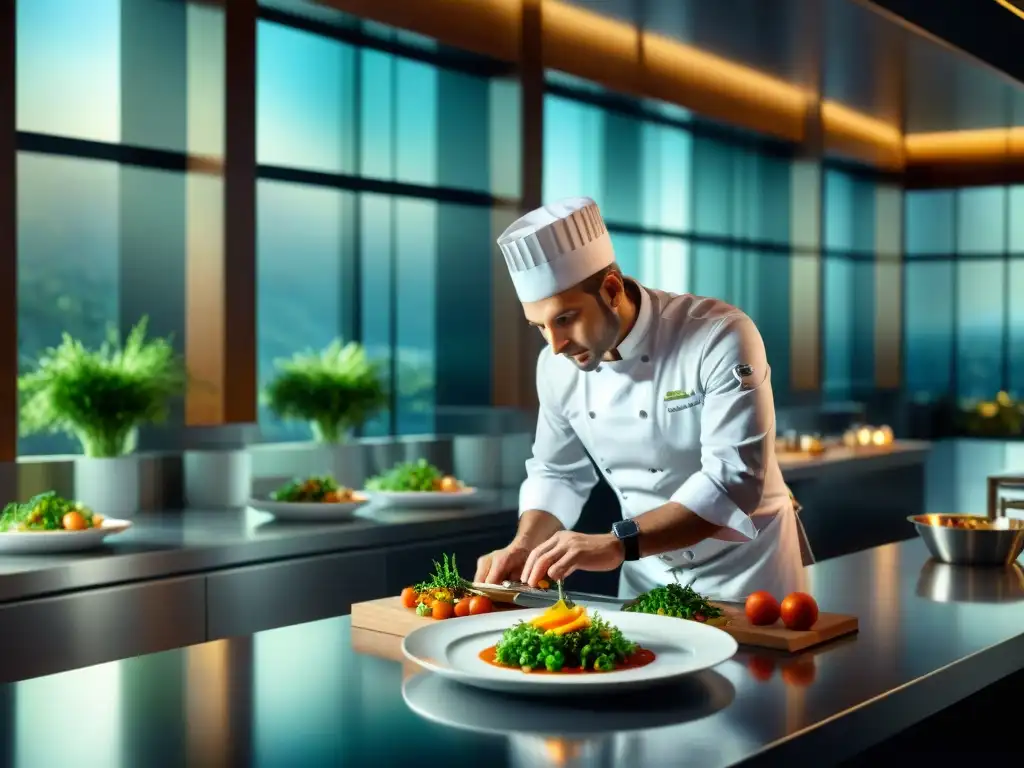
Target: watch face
x=624, y=528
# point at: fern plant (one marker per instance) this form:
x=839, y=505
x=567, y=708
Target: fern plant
x=334, y=390
x=101, y=396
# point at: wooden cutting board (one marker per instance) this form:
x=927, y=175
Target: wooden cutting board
x=388, y=616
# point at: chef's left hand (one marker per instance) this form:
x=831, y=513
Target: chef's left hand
x=567, y=551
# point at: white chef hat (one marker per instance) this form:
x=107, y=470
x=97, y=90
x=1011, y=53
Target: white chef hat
x=555, y=247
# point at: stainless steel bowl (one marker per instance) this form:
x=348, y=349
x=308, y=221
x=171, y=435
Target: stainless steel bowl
x=971, y=539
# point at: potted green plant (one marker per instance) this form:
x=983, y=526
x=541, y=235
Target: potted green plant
x=101, y=397
x=334, y=390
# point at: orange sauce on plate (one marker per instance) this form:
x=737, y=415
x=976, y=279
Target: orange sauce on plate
x=641, y=657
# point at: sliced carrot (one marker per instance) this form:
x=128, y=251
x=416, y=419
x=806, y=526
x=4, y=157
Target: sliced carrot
x=581, y=622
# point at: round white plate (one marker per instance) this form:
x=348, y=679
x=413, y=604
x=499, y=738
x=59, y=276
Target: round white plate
x=451, y=649
x=422, y=499
x=309, y=511
x=458, y=706
x=48, y=542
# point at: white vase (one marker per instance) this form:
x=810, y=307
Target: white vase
x=217, y=479
x=110, y=487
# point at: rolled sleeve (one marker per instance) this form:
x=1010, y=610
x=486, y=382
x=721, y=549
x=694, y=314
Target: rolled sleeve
x=737, y=422
x=559, y=475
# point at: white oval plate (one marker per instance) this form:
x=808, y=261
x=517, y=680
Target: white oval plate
x=458, y=706
x=422, y=499
x=48, y=542
x=310, y=511
x=451, y=649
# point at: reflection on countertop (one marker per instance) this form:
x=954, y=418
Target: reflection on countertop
x=159, y=545
x=322, y=694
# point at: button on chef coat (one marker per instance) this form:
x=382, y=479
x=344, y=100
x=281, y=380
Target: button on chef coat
x=686, y=415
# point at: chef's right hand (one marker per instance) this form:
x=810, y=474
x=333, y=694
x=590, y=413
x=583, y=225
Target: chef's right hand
x=502, y=564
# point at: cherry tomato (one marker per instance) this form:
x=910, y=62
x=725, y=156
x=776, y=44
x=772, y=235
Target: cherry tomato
x=762, y=609
x=442, y=610
x=462, y=607
x=409, y=597
x=480, y=604
x=74, y=521
x=799, y=611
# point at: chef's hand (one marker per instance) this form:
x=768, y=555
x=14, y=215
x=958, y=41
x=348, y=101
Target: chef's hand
x=567, y=551
x=501, y=564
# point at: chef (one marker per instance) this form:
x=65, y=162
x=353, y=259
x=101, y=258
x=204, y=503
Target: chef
x=670, y=397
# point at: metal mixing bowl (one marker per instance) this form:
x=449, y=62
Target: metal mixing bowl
x=971, y=539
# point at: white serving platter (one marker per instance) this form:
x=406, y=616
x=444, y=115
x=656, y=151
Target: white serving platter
x=451, y=649
x=53, y=542
x=310, y=511
x=422, y=499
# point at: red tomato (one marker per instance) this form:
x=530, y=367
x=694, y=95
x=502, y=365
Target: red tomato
x=762, y=609
x=761, y=667
x=480, y=604
x=799, y=611
x=442, y=610
x=462, y=607
x=409, y=597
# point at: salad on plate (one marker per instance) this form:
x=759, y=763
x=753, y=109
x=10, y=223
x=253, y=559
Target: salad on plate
x=415, y=477
x=48, y=511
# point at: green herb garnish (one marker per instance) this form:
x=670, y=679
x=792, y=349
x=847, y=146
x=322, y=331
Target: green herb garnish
x=599, y=646
x=445, y=577
x=306, y=490
x=43, y=512
x=407, y=476
x=675, y=600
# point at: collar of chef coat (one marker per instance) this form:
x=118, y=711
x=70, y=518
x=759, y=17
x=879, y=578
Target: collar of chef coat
x=637, y=340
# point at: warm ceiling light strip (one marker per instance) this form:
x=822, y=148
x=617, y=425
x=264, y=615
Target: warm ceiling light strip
x=864, y=137
x=617, y=55
x=987, y=144
x=486, y=27
x=1018, y=12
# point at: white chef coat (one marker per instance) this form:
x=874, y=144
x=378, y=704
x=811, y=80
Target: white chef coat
x=686, y=415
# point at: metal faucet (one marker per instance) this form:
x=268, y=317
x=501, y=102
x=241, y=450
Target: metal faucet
x=997, y=505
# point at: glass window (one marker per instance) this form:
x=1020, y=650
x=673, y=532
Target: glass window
x=376, y=258
x=300, y=256
x=930, y=222
x=838, y=326
x=849, y=213
x=664, y=264
x=981, y=220
x=69, y=68
x=928, y=334
x=416, y=95
x=666, y=153
x=573, y=150
x=415, y=313
x=862, y=323
x=980, y=327
x=305, y=89
x=712, y=187
x=1015, y=329
x=1016, y=244
x=767, y=299
x=68, y=259
x=622, y=196
x=377, y=115
x=711, y=271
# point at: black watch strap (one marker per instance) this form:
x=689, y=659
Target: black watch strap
x=628, y=532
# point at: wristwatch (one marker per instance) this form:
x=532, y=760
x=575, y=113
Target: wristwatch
x=628, y=532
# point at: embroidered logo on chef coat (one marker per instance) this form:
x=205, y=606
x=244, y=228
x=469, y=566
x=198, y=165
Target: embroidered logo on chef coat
x=680, y=400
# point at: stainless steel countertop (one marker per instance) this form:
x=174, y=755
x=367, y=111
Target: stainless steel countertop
x=302, y=695
x=159, y=545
